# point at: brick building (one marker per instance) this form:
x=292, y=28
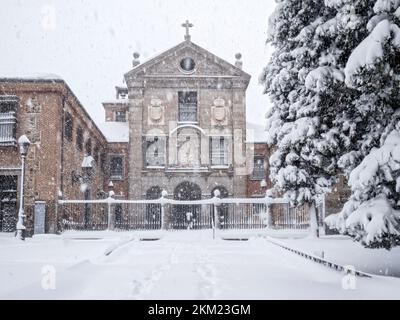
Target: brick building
x=116, y=130
x=62, y=136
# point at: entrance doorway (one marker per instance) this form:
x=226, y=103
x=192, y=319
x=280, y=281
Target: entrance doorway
x=186, y=216
x=153, y=211
x=8, y=203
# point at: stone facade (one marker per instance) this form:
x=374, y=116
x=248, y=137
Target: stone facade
x=156, y=92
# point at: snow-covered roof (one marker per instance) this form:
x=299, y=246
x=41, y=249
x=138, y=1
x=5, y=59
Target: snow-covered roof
x=116, y=101
x=235, y=71
x=255, y=132
x=115, y=131
x=32, y=76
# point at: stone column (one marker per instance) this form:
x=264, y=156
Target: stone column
x=135, y=142
x=239, y=138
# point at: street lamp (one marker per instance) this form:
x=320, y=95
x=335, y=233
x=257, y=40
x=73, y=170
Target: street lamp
x=111, y=192
x=24, y=144
x=263, y=185
x=86, y=178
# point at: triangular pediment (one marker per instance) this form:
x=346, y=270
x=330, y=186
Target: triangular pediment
x=168, y=64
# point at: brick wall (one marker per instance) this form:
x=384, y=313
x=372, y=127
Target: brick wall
x=261, y=149
x=121, y=187
x=51, y=159
x=111, y=109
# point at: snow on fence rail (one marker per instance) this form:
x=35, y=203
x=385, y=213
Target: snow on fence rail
x=320, y=260
x=165, y=213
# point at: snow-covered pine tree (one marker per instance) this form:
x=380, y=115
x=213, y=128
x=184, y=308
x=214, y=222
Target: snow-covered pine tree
x=299, y=168
x=343, y=123
x=373, y=69
x=305, y=80
x=372, y=215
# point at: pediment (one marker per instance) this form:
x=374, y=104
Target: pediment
x=168, y=64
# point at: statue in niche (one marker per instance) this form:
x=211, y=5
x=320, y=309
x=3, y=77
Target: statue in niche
x=188, y=148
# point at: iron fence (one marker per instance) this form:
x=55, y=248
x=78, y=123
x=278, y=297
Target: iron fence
x=163, y=213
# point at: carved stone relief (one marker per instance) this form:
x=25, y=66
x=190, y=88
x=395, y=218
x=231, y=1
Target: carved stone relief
x=219, y=113
x=156, y=112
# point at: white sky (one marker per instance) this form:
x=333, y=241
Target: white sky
x=90, y=43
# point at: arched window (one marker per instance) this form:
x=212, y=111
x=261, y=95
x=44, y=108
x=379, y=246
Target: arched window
x=153, y=193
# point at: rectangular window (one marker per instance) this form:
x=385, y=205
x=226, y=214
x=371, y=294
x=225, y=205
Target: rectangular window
x=219, y=151
x=79, y=138
x=116, y=167
x=68, y=126
x=258, y=168
x=8, y=120
x=103, y=162
x=154, y=151
x=88, y=147
x=96, y=154
x=187, y=106
x=120, y=116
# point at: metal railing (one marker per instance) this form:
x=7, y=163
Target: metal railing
x=164, y=213
x=188, y=111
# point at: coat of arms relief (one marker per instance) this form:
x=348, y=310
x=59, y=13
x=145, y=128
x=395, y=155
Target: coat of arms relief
x=156, y=112
x=219, y=113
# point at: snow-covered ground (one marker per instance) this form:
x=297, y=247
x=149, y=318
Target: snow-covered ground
x=185, y=265
x=344, y=251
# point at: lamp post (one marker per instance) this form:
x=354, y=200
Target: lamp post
x=87, y=176
x=24, y=144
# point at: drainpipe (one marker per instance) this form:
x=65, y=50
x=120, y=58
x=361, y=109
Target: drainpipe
x=61, y=161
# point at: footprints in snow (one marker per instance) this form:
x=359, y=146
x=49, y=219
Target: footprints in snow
x=141, y=288
x=199, y=263
x=209, y=286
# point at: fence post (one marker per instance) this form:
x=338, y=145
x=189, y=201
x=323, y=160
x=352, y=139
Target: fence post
x=164, y=194
x=60, y=214
x=110, y=199
x=268, y=204
x=217, y=194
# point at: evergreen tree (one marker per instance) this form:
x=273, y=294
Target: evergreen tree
x=373, y=70
x=305, y=81
x=344, y=122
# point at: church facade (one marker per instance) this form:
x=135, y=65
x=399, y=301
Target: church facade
x=187, y=128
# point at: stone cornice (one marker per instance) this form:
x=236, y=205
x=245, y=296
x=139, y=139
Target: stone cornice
x=200, y=82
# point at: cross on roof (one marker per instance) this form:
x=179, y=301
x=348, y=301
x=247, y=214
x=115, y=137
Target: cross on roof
x=187, y=25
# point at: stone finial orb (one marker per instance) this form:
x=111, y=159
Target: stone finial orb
x=164, y=193
x=136, y=55
x=217, y=193
x=238, y=56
